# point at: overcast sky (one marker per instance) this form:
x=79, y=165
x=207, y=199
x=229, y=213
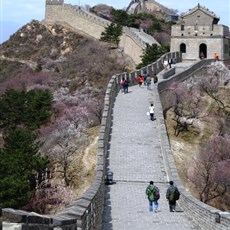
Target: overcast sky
x=16, y=13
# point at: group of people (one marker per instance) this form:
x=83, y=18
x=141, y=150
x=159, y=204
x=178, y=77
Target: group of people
x=215, y=55
x=124, y=85
x=153, y=194
x=146, y=80
x=167, y=63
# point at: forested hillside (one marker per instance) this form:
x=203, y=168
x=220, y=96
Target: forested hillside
x=53, y=82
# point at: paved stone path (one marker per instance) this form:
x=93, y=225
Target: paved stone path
x=135, y=158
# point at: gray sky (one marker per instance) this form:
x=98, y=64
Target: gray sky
x=16, y=13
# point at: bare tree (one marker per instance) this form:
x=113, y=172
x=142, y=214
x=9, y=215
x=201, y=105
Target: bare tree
x=185, y=102
x=66, y=140
x=210, y=170
x=217, y=78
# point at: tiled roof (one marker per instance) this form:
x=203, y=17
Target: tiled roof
x=204, y=9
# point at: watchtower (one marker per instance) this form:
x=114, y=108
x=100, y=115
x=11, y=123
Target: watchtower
x=197, y=35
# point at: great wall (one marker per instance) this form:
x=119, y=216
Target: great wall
x=86, y=211
x=90, y=24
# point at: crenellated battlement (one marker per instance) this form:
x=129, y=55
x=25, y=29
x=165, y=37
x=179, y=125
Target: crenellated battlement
x=54, y=2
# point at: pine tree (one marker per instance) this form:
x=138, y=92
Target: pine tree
x=112, y=34
x=12, y=110
x=151, y=54
x=19, y=162
x=37, y=108
x=21, y=108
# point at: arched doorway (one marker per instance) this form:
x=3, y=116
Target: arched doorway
x=202, y=51
x=182, y=48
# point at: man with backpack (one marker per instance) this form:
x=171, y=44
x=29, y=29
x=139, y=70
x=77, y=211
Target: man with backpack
x=153, y=194
x=172, y=195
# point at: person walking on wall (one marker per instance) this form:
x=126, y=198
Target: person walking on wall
x=172, y=195
x=148, y=82
x=170, y=63
x=155, y=79
x=153, y=194
x=140, y=80
x=216, y=56
x=126, y=85
x=145, y=77
x=165, y=64
x=122, y=82
x=151, y=112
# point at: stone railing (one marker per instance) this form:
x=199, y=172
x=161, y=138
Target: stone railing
x=134, y=36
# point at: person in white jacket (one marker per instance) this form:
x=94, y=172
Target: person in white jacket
x=151, y=112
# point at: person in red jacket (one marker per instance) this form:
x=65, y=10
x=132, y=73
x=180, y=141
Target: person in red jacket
x=140, y=80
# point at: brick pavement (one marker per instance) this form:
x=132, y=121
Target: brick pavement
x=135, y=158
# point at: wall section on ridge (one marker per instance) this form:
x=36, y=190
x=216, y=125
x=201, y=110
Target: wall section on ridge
x=76, y=18
x=93, y=26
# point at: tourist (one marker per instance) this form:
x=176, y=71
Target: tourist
x=216, y=56
x=126, y=85
x=165, y=64
x=140, y=80
x=151, y=112
x=148, y=82
x=122, y=82
x=153, y=194
x=172, y=195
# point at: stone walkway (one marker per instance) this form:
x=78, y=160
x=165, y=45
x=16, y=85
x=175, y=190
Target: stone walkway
x=135, y=158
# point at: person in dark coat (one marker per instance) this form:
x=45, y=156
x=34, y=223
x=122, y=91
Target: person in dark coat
x=126, y=85
x=171, y=196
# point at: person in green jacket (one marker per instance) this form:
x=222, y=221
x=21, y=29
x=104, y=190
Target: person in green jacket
x=153, y=194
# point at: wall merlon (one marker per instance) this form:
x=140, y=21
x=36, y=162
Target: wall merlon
x=54, y=2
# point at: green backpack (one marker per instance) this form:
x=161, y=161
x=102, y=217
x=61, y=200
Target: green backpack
x=150, y=193
x=153, y=193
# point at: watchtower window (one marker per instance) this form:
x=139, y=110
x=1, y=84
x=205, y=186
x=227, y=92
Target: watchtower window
x=182, y=27
x=182, y=48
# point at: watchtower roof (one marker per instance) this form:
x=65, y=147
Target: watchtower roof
x=203, y=9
